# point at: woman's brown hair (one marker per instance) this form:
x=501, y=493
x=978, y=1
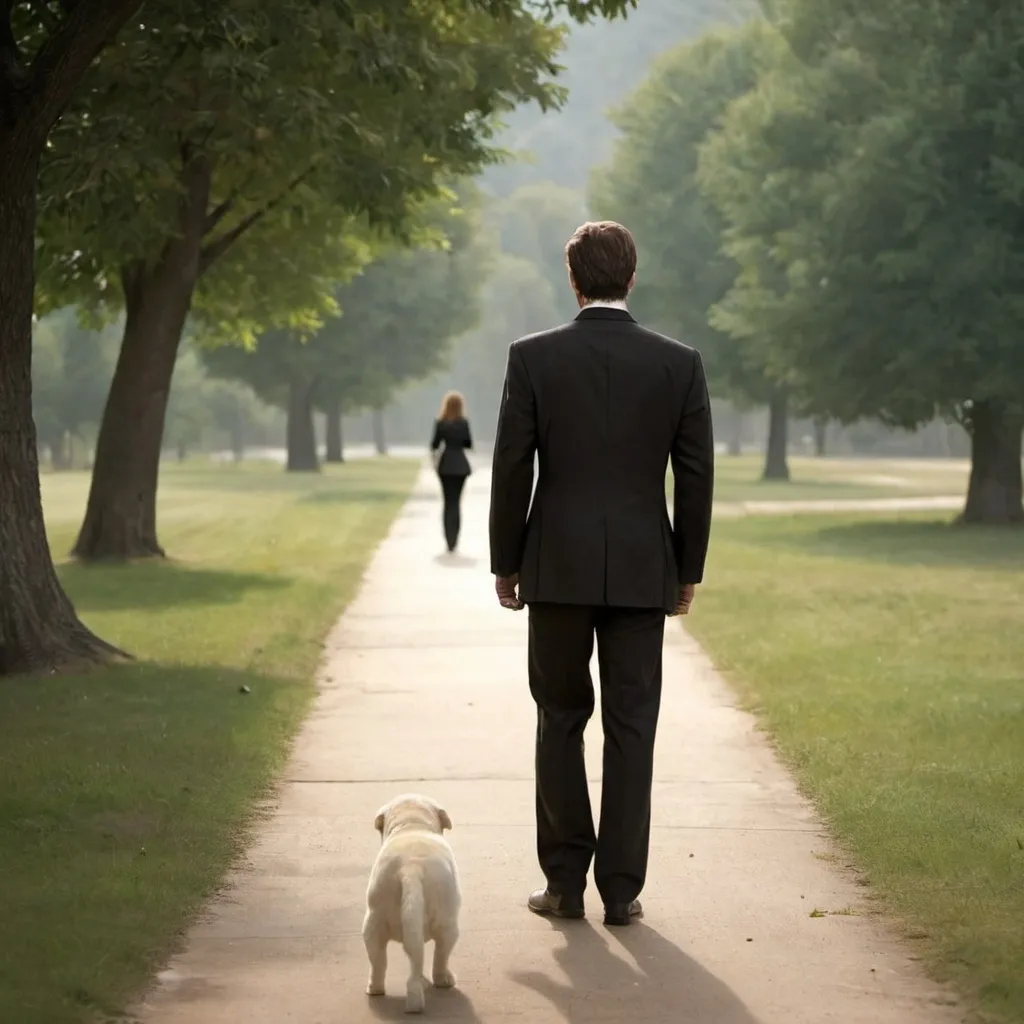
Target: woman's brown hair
x=453, y=406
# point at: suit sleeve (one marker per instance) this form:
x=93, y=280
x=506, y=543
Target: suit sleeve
x=469, y=436
x=435, y=442
x=693, y=467
x=515, y=445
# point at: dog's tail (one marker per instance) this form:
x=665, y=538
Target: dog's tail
x=412, y=917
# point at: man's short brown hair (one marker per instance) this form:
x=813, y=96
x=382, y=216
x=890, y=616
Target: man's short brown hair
x=602, y=260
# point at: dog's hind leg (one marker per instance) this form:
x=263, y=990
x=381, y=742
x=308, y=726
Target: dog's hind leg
x=376, y=943
x=444, y=943
x=413, y=939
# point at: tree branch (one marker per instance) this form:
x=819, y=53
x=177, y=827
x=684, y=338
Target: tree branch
x=66, y=54
x=218, y=213
x=212, y=252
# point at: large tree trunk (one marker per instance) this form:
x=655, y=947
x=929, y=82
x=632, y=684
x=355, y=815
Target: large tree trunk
x=39, y=630
x=335, y=441
x=379, y=441
x=302, y=454
x=820, y=436
x=994, y=490
x=776, y=464
x=120, y=518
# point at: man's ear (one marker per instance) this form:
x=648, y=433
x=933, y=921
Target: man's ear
x=378, y=822
x=446, y=821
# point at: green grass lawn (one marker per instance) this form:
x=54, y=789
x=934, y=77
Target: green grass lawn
x=886, y=658
x=738, y=479
x=125, y=794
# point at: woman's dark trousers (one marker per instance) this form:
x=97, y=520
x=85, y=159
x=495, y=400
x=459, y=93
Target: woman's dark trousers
x=452, y=488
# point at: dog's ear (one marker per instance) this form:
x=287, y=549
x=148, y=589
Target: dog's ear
x=378, y=822
x=446, y=821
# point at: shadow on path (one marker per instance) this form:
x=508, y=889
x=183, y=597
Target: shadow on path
x=456, y=561
x=450, y=1006
x=664, y=984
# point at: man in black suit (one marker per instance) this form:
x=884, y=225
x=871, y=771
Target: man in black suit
x=605, y=405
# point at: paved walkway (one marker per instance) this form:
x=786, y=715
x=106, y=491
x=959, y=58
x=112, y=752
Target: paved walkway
x=424, y=689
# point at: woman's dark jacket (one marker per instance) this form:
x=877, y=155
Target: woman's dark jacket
x=455, y=436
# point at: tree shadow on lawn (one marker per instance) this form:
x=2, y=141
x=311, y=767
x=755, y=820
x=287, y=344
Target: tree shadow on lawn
x=158, y=584
x=347, y=480
x=125, y=799
x=355, y=496
x=935, y=544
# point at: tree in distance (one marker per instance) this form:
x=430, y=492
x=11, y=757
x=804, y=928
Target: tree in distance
x=871, y=185
x=397, y=319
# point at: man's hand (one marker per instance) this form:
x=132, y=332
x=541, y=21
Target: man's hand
x=507, y=589
x=687, y=592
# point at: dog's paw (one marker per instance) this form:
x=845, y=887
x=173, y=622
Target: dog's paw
x=414, y=999
x=444, y=979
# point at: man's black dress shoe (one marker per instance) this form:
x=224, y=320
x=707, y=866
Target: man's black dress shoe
x=618, y=914
x=554, y=904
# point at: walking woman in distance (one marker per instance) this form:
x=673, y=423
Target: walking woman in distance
x=451, y=439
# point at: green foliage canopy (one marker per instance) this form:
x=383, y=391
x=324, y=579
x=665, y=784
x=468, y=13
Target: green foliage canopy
x=283, y=121
x=873, y=188
x=397, y=319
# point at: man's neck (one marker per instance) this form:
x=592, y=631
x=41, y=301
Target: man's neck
x=605, y=304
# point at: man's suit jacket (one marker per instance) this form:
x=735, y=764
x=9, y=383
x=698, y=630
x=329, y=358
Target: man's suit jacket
x=605, y=405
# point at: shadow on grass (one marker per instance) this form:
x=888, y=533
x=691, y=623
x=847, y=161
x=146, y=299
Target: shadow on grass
x=351, y=496
x=157, y=584
x=758, y=486
x=124, y=800
x=661, y=980
x=903, y=542
x=347, y=481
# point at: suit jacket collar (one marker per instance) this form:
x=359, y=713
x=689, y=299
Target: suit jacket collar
x=605, y=313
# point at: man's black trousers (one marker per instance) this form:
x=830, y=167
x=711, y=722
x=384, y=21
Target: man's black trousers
x=629, y=644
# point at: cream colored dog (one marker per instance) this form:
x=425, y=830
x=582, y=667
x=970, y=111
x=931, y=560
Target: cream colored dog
x=413, y=896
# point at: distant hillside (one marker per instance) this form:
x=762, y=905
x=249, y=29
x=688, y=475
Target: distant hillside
x=603, y=63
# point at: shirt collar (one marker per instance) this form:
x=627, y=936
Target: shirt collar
x=606, y=304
